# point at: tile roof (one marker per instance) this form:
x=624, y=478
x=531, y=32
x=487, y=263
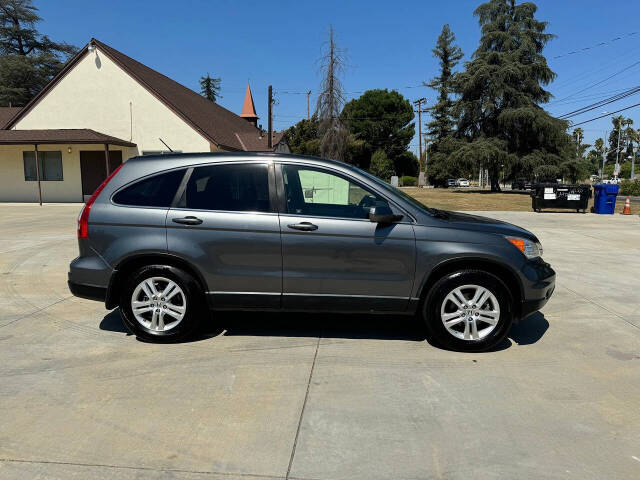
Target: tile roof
x=64, y=136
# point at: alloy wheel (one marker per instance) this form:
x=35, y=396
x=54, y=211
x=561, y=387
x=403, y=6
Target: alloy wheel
x=158, y=304
x=470, y=312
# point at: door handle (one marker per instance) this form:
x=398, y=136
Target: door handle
x=304, y=226
x=190, y=220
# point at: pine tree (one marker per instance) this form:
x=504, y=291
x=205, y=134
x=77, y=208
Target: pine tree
x=448, y=55
x=28, y=59
x=500, y=93
x=210, y=87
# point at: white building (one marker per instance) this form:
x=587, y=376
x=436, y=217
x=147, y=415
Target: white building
x=102, y=109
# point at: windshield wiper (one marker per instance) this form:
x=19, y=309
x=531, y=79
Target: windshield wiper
x=438, y=213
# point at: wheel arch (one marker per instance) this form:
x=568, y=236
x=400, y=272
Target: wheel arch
x=134, y=262
x=505, y=273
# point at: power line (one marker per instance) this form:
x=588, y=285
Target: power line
x=605, y=115
x=295, y=92
x=601, y=103
x=601, y=44
x=602, y=81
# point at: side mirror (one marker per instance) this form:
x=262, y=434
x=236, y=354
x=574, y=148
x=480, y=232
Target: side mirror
x=383, y=214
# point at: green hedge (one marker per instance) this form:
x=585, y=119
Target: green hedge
x=408, y=181
x=627, y=187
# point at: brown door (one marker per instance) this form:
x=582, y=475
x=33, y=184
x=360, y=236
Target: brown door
x=93, y=171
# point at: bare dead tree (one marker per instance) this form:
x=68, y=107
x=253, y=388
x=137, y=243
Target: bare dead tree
x=333, y=134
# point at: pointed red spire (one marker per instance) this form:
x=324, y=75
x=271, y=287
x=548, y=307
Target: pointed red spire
x=248, y=108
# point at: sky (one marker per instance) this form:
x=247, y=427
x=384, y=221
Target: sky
x=387, y=45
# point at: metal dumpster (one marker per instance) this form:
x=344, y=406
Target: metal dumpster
x=557, y=195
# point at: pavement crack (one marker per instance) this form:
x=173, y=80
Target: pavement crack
x=593, y=302
x=304, y=406
x=150, y=469
x=26, y=315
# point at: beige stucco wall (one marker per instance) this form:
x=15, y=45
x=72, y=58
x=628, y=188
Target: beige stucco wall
x=14, y=188
x=97, y=94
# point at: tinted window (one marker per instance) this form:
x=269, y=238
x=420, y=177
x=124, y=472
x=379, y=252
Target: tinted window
x=156, y=191
x=316, y=192
x=236, y=188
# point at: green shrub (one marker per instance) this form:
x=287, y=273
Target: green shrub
x=408, y=181
x=628, y=187
x=381, y=166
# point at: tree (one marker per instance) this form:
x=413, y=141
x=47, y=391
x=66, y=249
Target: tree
x=627, y=134
x=303, y=137
x=210, y=87
x=448, y=55
x=500, y=93
x=577, y=168
x=382, y=120
x=381, y=165
x=28, y=59
x=333, y=134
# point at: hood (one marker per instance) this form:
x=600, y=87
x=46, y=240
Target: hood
x=477, y=223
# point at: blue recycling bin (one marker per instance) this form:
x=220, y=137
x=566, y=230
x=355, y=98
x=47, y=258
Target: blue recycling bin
x=604, y=199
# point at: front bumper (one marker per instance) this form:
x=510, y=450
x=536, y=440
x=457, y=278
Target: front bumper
x=539, y=286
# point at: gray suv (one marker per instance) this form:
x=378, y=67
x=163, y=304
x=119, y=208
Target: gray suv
x=169, y=238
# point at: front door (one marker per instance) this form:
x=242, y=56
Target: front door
x=226, y=224
x=334, y=257
x=93, y=169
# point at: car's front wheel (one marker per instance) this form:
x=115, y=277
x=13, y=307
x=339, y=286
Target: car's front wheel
x=161, y=303
x=468, y=310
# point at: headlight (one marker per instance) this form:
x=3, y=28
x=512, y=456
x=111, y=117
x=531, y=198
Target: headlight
x=530, y=248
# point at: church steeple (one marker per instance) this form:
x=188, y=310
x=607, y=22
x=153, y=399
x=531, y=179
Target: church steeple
x=249, y=109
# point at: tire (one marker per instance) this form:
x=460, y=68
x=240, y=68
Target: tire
x=180, y=312
x=491, y=325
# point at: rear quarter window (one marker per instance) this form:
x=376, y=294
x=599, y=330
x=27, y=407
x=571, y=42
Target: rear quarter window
x=156, y=191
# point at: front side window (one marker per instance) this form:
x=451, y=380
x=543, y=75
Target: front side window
x=230, y=187
x=49, y=163
x=156, y=191
x=317, y=192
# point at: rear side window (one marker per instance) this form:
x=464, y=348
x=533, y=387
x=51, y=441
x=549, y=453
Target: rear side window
x=231, y=187
x=156, y=191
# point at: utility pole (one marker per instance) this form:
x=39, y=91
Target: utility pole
x=308, y=93
x=604, y=154
x=618, y=149
x=420, y=172
x=270, y=125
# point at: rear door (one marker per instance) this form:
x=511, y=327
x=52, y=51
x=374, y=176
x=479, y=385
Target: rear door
x=225, y=223
x=334, y=257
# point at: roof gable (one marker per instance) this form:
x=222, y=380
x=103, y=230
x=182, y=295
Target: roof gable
x=217, y=124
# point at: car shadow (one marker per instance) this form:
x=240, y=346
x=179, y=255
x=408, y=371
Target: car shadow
x=352, y=326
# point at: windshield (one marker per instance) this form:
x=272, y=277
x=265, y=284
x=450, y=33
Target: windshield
x=396, y=191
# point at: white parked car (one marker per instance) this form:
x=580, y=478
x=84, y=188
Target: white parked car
x=463, y=182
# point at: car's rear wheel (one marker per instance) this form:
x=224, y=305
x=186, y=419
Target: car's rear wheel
x=161, y=303
x=468, y=310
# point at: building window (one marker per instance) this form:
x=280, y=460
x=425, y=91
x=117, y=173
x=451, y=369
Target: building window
x=50, y=164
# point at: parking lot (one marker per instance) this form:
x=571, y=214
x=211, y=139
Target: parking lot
x=316, y=397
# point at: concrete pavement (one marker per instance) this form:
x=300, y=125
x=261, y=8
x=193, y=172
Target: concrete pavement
x=315, y=397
